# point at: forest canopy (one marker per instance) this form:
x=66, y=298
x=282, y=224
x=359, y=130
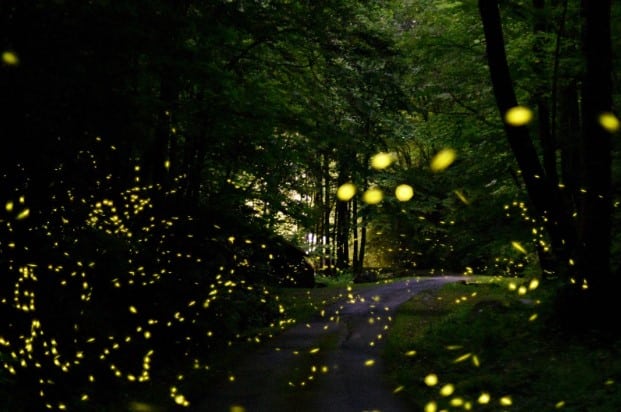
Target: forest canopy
x=198, y=153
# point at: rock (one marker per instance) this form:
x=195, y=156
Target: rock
x=366, y=276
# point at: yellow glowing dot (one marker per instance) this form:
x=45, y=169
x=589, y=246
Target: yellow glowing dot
x=410, y=353
x=609, y=121
x=237, y=408
x=518, y=246
x=533, y=317
x=484, y=398
x=23, y=214
x=404, y=192
x=373, y=196
x=457, y=402
x=461, y=197
x=167, y=164
x=518, y=116
x=232, y=378
x=522, y=290
x=398, y=389
x=313, y=351
x=9, y=58
x=559, y=404
x=180, y=400
x=346, y=191
x=382, y=160
x=431, y=379
x=133, y=309
x=506, y=401
x=447, y=390
x=369, y=362
x=462, y=358
x=475, y=361
x=534, y=284
x=431, y=407
x=443, y=159
x=9, y=206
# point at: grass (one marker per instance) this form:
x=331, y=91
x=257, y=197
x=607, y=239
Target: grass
x=493, y=347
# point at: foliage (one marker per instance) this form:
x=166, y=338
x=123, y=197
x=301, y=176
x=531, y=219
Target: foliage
x=484, y=340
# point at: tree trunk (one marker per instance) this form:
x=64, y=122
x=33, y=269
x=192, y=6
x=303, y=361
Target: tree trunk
x=595, y=217
x=543, y=195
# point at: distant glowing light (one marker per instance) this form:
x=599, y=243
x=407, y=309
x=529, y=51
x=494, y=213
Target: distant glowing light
x=518, y=116
x=462, y=358
x=506, y=401
x=346, y=191
x=443, y=159
x=462, y=197
x=518, y=246
x=447, y=390
x=23, y=214
x=457, y=402
x=404, y=192
x=373, y=196
x=609, y=121
x=431, y=407
x=431, y=379
x=382, y=160
x=10, y=59
x=484, y=398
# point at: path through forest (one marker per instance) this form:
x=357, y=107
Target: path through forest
x=330, y=364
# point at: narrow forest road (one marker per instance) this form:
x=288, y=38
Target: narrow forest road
x=329, y=364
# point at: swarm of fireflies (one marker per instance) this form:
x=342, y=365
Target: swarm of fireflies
x=518, y=116
x=443, y=159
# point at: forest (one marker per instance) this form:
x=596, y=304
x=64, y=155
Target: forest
x=167, y=166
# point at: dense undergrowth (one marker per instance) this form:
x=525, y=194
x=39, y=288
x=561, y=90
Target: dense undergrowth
x=104, y=298
x=495, y=346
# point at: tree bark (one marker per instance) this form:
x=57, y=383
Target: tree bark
x=543, y=195
x=595, y=216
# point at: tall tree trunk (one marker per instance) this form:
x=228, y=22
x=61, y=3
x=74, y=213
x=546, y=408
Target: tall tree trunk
x=547, y=140
x=595, y=216
x=541, y=192
x=327, y=208
x=357, y=268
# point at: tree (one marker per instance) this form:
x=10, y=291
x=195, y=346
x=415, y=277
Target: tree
x=585, y=244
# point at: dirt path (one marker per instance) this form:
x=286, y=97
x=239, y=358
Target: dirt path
x=329, y=364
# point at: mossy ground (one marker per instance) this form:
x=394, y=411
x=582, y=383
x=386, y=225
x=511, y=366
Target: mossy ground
x=495, y=347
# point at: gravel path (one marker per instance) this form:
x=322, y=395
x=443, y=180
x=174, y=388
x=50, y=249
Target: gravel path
x=329, y=364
